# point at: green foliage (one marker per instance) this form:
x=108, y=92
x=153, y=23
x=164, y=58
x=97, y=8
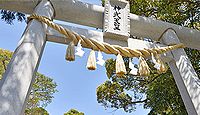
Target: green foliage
x=43, y=88
x=73, y=112
x=5, y=57
x=114, y=93
x=36, y=111
x=194, y=56
x=163, y=96
x=173, y=11
x=158, y=93
x=42, y=91
x=9, y=16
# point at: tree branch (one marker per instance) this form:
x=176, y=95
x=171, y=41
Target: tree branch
x=148, y=82
x=4, y=65
x=135, y=102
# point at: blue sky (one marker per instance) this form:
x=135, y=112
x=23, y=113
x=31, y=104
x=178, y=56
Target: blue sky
x=76, y=85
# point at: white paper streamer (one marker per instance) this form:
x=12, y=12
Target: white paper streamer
x=100, y=61
x=79, y=51
x=156, y=65
x=134, y=70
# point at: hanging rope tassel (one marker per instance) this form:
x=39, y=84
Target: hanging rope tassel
x=110, y=49
x=163, y=67
x=91, y=63
x=143, y=67
x=70, y=53
x=120, y=66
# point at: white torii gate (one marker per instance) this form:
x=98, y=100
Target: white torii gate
x=20, y=74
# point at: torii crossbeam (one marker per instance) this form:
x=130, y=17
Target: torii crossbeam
x=14, y=90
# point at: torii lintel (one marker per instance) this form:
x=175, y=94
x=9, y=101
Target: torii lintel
x=93, y=17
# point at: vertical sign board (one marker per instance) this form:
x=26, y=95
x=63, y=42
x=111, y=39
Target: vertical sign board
x=117, y=19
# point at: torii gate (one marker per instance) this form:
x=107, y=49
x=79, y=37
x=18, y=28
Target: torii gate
x=20, y=74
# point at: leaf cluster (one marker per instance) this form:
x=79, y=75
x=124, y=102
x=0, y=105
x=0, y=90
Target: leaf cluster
x=119, y=92
x=36, y=111
x=5, y=57
x=73, y=112
x=9, y=16
x=42, y=91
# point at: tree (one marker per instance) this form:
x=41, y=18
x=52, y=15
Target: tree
x=9, y=16
x=73, y=112
x=5, y=57
x=36, y=111
x=42, y=91
x=159, y=93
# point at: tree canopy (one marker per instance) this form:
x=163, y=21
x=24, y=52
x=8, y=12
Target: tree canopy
x=158, y=93
x=73, y=112
x=36, y=111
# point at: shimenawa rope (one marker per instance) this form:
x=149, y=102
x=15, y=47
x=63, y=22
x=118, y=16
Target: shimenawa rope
x=109, y=49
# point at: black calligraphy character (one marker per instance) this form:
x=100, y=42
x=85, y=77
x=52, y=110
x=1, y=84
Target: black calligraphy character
x=116, y=17
x=117, y=8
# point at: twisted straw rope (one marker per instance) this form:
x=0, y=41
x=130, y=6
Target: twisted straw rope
x=102, y=46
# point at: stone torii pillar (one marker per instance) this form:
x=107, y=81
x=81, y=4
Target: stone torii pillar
x=20, y=74
x=184, y=74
